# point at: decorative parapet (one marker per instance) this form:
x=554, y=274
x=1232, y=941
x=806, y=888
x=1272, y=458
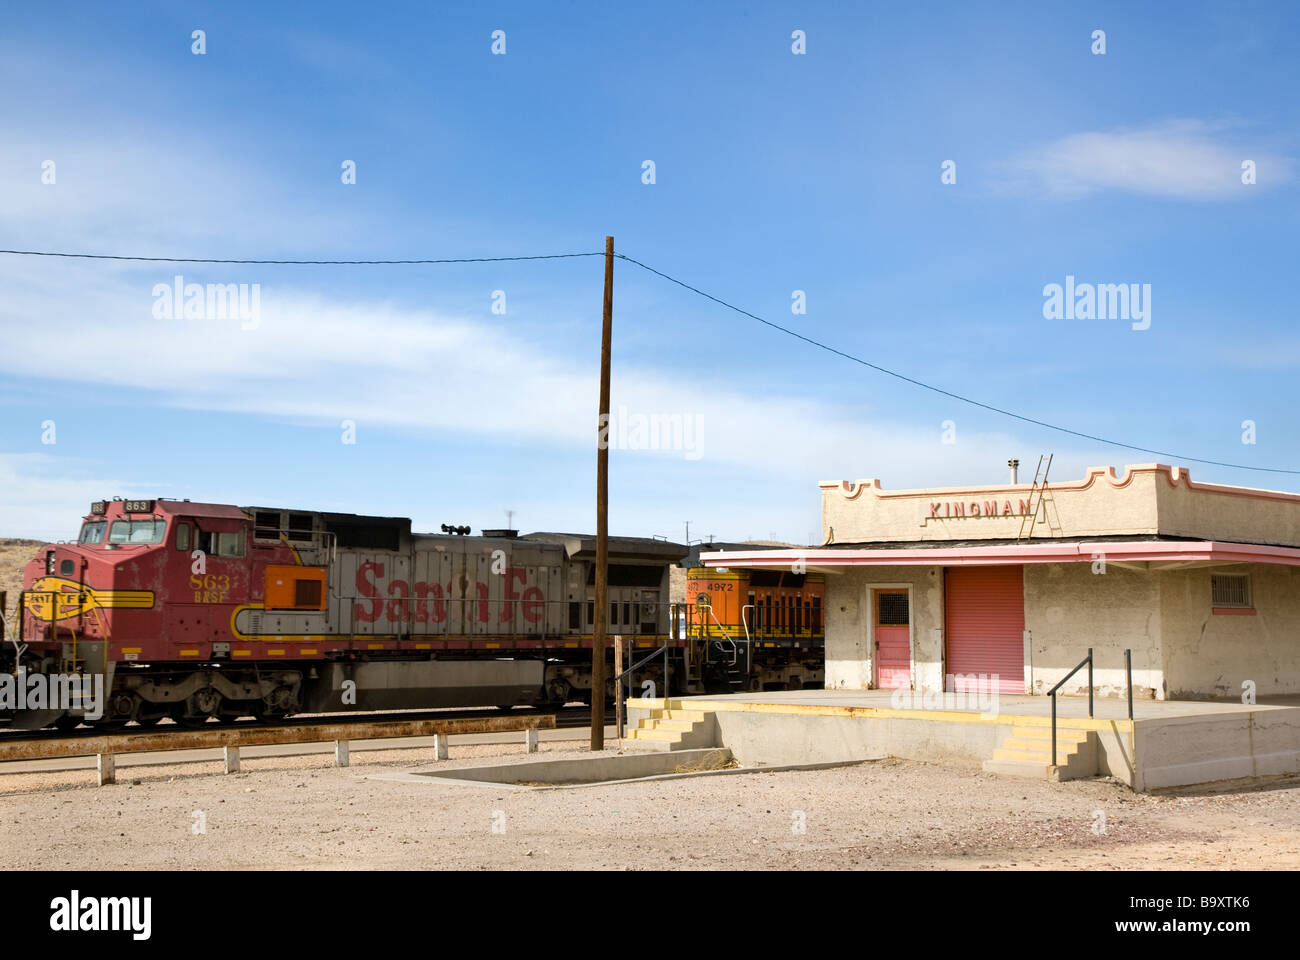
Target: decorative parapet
x=1144, y=499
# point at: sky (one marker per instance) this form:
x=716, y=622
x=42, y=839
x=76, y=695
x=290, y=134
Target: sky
x=916, y=177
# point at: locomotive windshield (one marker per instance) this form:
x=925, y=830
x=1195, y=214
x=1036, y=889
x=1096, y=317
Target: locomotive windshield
x=92, y=532
x=137, y=531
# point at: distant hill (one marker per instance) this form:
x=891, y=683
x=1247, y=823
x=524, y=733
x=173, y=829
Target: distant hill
x=14, y=555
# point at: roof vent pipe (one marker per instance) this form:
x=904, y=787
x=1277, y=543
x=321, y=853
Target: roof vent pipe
x=1015, y=467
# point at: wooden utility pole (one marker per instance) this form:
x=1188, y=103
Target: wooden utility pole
x=602, y=515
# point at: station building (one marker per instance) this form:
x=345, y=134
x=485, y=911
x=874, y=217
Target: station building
x=928, y=588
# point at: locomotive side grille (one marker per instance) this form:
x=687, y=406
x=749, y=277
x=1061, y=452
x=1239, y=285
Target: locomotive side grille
x=307, y=593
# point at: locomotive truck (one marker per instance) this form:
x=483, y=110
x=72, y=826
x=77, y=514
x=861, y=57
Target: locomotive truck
x=198, y=611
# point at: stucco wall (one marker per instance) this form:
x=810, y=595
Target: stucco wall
x=1069, y=608
x=849, y=628
x=1210, y=655
x=1181, y=650
x=1234, y=514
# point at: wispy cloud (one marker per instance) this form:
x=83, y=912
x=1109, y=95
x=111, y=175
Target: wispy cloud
x=388, y=366
x=44, y=496
x=1187, y=159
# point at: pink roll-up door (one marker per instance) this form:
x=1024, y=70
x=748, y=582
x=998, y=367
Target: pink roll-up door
x=985, y=614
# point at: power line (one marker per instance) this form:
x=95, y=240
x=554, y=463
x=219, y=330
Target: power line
x=325, y=263
x=948, y=393
x=696, y=290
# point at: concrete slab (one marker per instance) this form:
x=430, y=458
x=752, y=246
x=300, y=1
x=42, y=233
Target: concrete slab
x=1167, y=744
x=594, y=771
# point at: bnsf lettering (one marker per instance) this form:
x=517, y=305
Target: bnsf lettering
x=213, y=588
x=424, y=602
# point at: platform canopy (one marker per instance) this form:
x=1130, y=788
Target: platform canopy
x=1150, y=554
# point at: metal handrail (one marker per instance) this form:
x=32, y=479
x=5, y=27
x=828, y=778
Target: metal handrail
x=1128, y=683
x=1052, y=693
x=735, y=651
x=618, y=682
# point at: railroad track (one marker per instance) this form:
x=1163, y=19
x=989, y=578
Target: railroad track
x=570, y=716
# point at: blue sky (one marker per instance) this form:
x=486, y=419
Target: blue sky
x=774, y=172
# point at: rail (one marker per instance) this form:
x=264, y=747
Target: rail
x=108, y=746
x=618, y=682
x=1128, y=683
x=1086, y=661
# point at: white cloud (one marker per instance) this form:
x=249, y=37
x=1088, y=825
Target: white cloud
x=43, y=497
x=1187, y=159
x=384, y=365
x=379, y=361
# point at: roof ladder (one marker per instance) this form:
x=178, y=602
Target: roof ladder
x=1036, y=492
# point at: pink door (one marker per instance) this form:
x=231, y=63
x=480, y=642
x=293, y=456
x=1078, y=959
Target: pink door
x=893, y=640
x=986, y=626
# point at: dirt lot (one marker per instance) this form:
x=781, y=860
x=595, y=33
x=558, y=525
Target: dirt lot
x=302, y=812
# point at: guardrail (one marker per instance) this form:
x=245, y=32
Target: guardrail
x=109, y=746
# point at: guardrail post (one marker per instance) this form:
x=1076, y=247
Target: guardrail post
x=340, y=753
x=106, y=767
x=1128, y=678
x=230, y=756
x=530, y=740
x=440, y=746
x=1053, y=728
x=1090, y=682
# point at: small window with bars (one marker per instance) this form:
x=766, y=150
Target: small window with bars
x=1230, y=591
x=893, y=610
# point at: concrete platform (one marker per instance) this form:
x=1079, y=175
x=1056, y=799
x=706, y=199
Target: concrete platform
x=1168, y=743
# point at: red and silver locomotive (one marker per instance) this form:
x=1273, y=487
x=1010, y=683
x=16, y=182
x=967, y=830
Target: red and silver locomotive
x=198, y=610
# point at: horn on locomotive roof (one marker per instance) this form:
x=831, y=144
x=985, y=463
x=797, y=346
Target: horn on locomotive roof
x=455, y=530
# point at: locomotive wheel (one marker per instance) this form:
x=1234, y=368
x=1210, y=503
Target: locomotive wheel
x=149, y=721
x=67, y=722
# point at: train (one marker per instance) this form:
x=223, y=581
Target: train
x=203, y=612
x=756, y=629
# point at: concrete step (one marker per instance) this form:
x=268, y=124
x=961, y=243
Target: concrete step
x=1042, y=746
x=695, y=716
x=1022, y=756
x=1036, y=771
x=644, y=733
x=1031, y=756
x=1045, y=733
x=658, y=746
x=670, y=724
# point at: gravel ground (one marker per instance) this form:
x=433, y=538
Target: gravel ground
x=301, y=812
